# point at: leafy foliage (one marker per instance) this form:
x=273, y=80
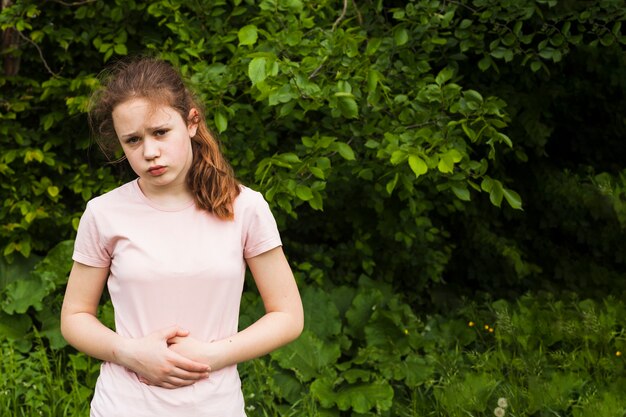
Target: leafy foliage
x=427, y=148
x=403, y=116
x=542, y=354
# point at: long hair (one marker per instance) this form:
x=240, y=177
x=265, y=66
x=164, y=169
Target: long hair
x=211, y=178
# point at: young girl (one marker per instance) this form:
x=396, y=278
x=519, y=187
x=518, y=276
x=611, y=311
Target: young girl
x=172, y=247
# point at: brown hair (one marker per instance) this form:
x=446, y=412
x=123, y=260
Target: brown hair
x=210, y=178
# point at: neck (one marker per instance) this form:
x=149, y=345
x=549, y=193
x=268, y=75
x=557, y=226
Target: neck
x=173, y=196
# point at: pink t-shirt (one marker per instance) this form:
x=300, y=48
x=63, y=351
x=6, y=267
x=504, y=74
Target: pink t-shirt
x=180, y=267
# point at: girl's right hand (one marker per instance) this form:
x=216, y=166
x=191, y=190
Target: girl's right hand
x=155, y=364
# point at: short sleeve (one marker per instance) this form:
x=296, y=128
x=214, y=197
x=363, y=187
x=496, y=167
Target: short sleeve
x=261, y=232
x=88, y=247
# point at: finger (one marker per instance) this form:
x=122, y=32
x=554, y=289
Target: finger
x=187, y=364
x=169, y=385
x=176, y=382
x=173, y=331
x=174, y=340
x=182, y=374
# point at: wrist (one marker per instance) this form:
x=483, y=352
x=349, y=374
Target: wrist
x=216, y=354
x=123, y=352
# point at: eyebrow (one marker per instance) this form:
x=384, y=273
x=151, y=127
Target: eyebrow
x=150, y=129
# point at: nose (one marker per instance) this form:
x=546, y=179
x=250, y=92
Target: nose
x=151, y=148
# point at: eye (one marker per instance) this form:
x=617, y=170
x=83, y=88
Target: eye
x=160, y=132
x=132, y=140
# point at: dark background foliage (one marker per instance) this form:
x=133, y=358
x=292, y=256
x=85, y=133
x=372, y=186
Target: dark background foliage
x=444, y=150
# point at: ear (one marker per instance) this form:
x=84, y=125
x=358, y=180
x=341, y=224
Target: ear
x=193, y=119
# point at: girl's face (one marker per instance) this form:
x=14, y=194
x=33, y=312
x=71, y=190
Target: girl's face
x=157, y=143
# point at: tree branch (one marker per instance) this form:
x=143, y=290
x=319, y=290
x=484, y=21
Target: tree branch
x=343, y=14
x=358, y=13
x=76, y=3
x=45, y=63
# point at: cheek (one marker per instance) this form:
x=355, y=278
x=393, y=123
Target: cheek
x=189, y=151
x=183, y=150
x=132, y=156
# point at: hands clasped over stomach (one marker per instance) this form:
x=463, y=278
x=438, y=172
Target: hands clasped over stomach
x=167, y=358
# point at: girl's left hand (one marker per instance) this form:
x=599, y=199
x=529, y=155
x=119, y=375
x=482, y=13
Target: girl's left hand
x=194, y=349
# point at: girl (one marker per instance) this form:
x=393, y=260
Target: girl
x=172, y=247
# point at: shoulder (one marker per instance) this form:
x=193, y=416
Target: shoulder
x=115, y=201
x=251, y=207
x=122, y=194
x=248, y=198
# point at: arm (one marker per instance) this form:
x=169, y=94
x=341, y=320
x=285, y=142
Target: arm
x=283, y=320
x=149, y=356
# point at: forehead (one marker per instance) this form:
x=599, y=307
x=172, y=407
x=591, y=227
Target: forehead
x=141, y=113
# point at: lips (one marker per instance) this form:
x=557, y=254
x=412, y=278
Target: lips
x=157, y=170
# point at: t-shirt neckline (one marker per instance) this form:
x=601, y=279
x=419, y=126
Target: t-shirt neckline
x=155, y=205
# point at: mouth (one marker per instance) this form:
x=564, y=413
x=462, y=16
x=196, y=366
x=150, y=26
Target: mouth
x=157, y=170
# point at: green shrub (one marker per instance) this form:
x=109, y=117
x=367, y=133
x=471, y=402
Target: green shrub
x=364, y=352
x=45, y=382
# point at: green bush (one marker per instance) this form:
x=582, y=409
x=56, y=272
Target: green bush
x=432, y=149
x=365, y=353
x=45, y=382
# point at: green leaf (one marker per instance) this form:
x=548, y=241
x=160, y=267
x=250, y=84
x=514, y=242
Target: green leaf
x=19, y=269
x=23, y=294
x=247, y=35
x=504, y=138
x=471, y=134
x=447, y=161
x=372, y=46
x=417, y=164
x=444, y=76
x=321, y=314
x=355, y=375
x=120, y=49
x=485, y=63
x=392, y=184
x=348, y=107
x=361, y=309
x=496, y=193
x=455, y=155
x=303, y=192
x=486, y=184
x=51, y=327
x=513, y=198
x=256, y=70
x=53, y=191
x=420, y=370
x=345, y=151
x=316, y=203
x=361, y=397
x=30, y=216
x=461, y=192
x=397, y=157
x=286, y=385
x=308, y=356
x=400, y=36
x=14, y=327
x=535, y=66
x=281, y=95
x=317, y=172
x=221, y=122
x=473, y=95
